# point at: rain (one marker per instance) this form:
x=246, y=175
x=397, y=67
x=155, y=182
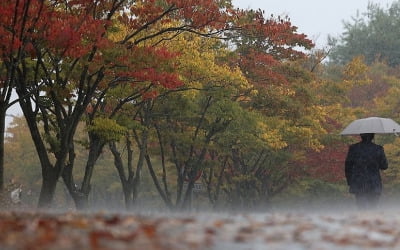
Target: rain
x=199, y=125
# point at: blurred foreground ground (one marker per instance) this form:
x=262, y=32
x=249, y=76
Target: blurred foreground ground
x=291, y=229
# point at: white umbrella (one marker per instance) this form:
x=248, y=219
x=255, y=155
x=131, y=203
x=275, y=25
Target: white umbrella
x=376, y=125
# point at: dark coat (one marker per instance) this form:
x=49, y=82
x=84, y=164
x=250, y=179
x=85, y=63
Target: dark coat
x=363, y=162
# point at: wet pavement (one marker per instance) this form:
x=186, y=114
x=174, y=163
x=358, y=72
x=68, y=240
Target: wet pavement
x=284, y=230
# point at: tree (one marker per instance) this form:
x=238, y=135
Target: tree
x=146, y=51
x=373, y=34
x=154, y=70
x=112, y=103
x=67, y=60
x=238, y=133
x=184, y=122
x=60, y=41
x=284, y=94
x=23, y=168
x=13, y=24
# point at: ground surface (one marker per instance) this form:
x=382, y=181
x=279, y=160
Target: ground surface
x=277, y=230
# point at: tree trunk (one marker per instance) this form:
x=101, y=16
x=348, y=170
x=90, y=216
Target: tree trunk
x=187, y=200
x=128, y=196
x=81, y=196
x=2, y=131
x=164, y=195
x=96, y=147
x=126, y=181
x=49, y=184
x=81, y=200
x=50, y=173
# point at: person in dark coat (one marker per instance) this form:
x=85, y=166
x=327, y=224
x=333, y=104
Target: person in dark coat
x=363, y=163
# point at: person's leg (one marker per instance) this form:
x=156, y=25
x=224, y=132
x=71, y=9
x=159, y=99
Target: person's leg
x=361, y=200
x=373, y=200
x=367, y=200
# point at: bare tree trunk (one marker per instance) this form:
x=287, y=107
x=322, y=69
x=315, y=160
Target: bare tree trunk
x=138, y=174
x=81, y=196
x=49, y=183
x=164, y=195
x=126, y=180
x=2, y=131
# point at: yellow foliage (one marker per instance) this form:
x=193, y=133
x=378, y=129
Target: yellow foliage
x=389, y=105
x=107, y=129
x=118, y=33
x=282, y=90
x=271, y=136
x=198, y=63
x=356, y=72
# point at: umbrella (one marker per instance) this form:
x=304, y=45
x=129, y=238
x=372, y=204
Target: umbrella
x=376, y=125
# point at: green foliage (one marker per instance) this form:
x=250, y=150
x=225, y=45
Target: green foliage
x=247, y=115
x=107, y=129
x=373, y=34
x=53, y=142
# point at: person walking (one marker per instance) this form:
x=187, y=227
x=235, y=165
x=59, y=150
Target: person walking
x=363, y=163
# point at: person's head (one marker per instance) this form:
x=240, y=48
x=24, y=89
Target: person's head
x=367, y=137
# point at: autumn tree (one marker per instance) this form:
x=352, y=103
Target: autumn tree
x=22, y=164
x=67, y=60
x=106, y=108
x=152, y=73
x=238, y=132
x=284, y=95
x=59, y=41
x=150, y=82
x=172, y=125
x=13, y=26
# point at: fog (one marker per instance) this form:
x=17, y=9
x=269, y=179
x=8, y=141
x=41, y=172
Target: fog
x=288, y=224
x=152, y=206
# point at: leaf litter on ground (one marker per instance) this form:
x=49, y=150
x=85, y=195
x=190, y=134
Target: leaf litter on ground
x=209, y=231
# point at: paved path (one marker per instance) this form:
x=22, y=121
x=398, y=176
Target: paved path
x=208, y=231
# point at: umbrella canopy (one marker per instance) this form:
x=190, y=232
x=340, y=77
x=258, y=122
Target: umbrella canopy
x=376, y=125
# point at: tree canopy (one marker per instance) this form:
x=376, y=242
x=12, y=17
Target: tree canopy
x=373, y=34
x=135, y=98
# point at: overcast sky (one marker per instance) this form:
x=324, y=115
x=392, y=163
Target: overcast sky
x=315, y=18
